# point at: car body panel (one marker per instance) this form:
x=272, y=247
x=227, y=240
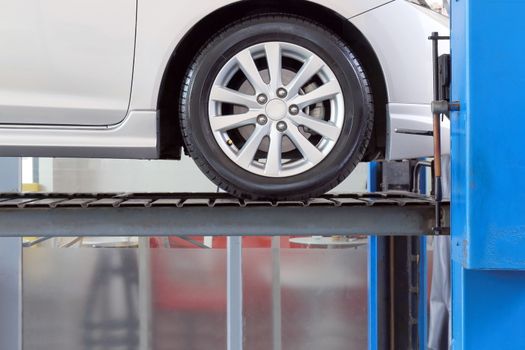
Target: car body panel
x=66, y=62
x=161, y=24
x=134, y=138
x=399, y=32
x=404, y=146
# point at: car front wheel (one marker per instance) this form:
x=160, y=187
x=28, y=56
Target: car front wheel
x=276, y=107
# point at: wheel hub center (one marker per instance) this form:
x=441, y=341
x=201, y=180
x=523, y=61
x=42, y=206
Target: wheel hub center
x=276, y=109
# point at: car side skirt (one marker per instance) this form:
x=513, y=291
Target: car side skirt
x=134, y=138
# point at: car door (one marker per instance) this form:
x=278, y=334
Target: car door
x=66, y=62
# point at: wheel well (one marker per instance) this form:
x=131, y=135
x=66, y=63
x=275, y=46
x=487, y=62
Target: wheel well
x=170, y=138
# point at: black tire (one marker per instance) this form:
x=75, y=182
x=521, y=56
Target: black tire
x=357, y=127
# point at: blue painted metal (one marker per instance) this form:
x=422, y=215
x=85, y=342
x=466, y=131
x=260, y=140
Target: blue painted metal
x=488, y=161
x=373, y=312
x=423, y=180
x=376, y=256
x=423, y=275
x=372, y=177
x=488, y=157
x=487, y=308
x=423, y=295
x=458, y=315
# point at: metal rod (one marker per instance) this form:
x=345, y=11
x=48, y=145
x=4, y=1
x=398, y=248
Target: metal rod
x=436, y=116
x=72, y=242
x=145, y=293
x=392, y=294
x=416, y=175
x=194, y=242
x=234, y=294
x=36, y=241
x=276, y=294
x=437, y=133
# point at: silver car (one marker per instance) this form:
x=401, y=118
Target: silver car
x=272, y=99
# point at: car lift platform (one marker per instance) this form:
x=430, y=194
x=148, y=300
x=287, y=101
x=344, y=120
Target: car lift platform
x=210, y=214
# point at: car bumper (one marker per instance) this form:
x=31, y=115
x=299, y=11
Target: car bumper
x=413, y=117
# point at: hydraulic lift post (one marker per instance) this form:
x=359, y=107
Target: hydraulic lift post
x=488, y=166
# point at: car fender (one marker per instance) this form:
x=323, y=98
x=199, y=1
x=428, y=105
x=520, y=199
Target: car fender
x=162, y=24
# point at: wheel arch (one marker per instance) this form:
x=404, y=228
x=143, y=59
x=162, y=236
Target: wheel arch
x=170, y=138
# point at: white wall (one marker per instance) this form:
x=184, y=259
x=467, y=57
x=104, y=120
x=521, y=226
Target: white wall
x=111, y=175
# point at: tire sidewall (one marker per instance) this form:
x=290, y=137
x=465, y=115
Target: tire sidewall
x=347, y=151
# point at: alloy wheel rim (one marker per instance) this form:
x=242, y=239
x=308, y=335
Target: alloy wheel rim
x=276, y=109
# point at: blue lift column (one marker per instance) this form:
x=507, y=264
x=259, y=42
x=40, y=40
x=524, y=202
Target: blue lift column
x=488, y=174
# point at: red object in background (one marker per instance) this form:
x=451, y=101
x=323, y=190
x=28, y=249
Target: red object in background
x=219, y=242
x=189, y=295
x=253, y=242
x=179, y=287
x=171, y=295
x=178, y=290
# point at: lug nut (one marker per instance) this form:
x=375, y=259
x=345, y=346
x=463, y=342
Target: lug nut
x=262, y=119
x=281, y=126
x=282, y=93
x=294, y=110
x=262, y=99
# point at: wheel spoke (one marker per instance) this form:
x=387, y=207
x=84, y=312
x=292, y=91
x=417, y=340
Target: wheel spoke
x=274, y=158
x=247, y=65
x=322, y=93
x=309, y=151
x=225, y=95
x=271, y=139
x=307, y=71
x=228, y=122
x=247, y=153
x=323, y=128
x=273, y=56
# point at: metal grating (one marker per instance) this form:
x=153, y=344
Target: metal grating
x=160, y=214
